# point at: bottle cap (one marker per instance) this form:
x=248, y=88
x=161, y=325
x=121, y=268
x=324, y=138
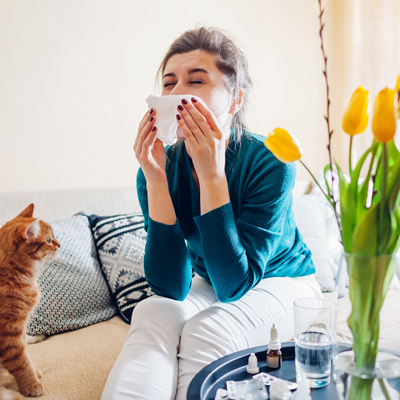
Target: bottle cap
x=252, y=367
x=274, y=343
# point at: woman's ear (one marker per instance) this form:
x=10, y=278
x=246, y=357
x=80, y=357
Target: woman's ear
x=237, y=102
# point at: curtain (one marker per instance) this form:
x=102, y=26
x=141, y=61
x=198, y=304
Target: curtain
x=374, y=60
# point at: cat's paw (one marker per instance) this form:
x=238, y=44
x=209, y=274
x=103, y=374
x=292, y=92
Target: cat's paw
x=35, y=339
x=34, y=390
x=39, y=373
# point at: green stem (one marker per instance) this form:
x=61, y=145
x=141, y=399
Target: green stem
x=366, y=280
x=360, y=389
x=383, y=195
x=384, y=390
x=378, y=164
x=331, y=202
x=315, y=180
x=369, y=173
x=351, y=148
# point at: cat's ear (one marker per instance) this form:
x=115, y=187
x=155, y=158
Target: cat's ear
x=31, y=231
x=28, y=212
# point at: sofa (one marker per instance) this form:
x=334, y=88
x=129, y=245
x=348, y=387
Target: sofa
x=82, y=344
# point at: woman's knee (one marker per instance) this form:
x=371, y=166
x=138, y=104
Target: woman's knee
x=207, y=332
x=159, y=312
x=162, y=313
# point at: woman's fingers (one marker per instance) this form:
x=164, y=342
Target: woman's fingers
x=143, y=135
x=150, y=138
x=145, y=127
x=145, y=119
x=208, y=115
x=195, y=123
x=201, y=113
x=189, y=136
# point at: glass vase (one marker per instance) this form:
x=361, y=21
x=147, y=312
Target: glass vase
x=361, y=371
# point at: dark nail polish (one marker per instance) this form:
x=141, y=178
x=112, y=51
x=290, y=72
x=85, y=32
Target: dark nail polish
x=151, y=111
x=154, y=128
x=178, y=117
x=151, y=119
x=180, y=107
x=184, y=101
x=194, y=100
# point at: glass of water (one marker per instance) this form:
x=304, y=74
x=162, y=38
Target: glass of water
x=313, y=341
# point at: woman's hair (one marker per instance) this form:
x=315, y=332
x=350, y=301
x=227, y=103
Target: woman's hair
x=229, y=60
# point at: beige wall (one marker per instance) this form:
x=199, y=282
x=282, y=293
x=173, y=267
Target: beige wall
x=74, y=76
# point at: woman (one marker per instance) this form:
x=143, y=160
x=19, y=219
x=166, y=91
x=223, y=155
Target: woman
x=219, y=203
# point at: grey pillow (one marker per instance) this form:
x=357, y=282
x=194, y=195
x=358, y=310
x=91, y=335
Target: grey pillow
x=74, y=292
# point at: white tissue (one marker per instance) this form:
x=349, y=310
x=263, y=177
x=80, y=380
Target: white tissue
x=279, y=390
x=303, y=391
x=166, y=108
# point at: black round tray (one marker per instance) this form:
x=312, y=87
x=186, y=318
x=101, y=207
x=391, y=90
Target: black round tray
x=233, y=367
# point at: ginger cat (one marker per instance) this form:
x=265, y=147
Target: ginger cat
x=26, y=243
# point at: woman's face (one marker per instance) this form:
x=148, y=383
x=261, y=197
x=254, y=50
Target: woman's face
x=195, y=73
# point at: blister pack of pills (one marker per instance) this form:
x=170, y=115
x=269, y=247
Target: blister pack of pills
x=250, y=389
x=268, y=379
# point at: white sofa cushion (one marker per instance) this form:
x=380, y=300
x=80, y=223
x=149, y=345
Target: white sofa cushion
x=316, y=221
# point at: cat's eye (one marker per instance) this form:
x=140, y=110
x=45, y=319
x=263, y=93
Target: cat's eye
x=48, y=240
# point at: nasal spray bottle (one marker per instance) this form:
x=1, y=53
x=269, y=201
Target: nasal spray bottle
x=274, y=354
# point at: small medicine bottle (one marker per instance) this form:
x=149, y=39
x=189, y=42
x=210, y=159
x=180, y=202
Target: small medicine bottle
x=274, y=354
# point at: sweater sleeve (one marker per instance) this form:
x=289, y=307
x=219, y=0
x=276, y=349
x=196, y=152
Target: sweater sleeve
x=236, y=253
x=167, y=264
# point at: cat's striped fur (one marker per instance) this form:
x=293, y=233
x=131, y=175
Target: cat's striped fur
x=26, y=244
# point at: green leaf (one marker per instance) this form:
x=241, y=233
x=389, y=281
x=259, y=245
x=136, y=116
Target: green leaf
x=366, y=233
x=327, y=183
x=356, y=173
x=372, y=236
x=347, y=210
x=393, y=185
x=360, y=192
x=378, y=174
x=397, y=216
x=394, y=233
x=393, y=153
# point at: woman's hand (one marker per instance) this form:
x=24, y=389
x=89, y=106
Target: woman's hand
x=150, y=151
x=207, y=145
x=205, y=140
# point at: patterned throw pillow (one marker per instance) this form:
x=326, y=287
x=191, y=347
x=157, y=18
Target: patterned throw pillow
x=120, y=241
x=74, y=293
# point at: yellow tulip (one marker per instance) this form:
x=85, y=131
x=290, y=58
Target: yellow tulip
x=284, y=147
x=384, y=119
x=355, y=118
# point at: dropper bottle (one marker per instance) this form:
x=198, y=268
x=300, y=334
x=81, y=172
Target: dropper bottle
x=274, y=354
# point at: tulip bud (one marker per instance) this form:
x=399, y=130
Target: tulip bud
x=355, y=118
x=284, y=147
x=384, y=119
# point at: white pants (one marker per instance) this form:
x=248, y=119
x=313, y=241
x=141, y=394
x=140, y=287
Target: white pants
x=170, y=341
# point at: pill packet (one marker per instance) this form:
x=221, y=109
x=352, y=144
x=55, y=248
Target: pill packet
x=268, y=379
x=249, y=389
x=221, y=394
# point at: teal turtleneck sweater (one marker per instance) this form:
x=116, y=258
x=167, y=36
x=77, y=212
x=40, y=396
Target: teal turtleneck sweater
x=234, y=246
